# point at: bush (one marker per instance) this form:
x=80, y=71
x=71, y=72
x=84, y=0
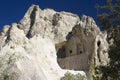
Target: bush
x=69, y=76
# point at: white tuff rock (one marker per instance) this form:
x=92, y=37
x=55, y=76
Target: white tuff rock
x=30, y=49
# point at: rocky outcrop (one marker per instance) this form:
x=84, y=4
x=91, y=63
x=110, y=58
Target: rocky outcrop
x=101, y=50
x=86, y=46
x=30, y=49
x=47, y=23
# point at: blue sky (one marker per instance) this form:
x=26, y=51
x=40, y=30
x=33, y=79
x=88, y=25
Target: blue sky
x=13, y=10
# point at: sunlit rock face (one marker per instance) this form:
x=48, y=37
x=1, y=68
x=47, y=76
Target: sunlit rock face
x=45, y=44
x=86, y=46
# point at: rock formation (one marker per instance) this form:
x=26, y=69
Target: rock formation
x=31, y=49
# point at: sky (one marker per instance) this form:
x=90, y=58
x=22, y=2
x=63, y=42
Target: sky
x=12, y=11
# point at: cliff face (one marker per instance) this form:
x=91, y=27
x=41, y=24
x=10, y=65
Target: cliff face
x=30, y=49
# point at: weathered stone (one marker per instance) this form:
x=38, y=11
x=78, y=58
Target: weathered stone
x=82, y=47
x=30, y=49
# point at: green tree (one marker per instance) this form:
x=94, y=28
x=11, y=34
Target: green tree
x=69, y=76
x=110, y=14
x=109, y=19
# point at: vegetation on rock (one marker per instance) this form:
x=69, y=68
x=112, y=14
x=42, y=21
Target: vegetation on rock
x=69, y=76
x=110, y=21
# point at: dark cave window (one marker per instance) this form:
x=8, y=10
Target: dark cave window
x=98, y=43
x=80, y=52
x=61, y=53
x=70, y=51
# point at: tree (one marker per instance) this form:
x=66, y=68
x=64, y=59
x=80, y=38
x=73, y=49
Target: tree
x=110, y=14
x=110, y=21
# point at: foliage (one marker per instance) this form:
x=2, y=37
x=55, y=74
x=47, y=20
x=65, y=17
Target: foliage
x=7, y=68
x=110, y=14
x=69, y=76
x=8, y=75
x=110, y=20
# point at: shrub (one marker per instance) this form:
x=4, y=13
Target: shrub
x=69, y=76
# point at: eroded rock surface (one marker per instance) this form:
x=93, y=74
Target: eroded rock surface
x=30, y=49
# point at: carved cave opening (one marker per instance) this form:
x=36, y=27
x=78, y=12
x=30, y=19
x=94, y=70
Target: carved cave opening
x=80, y=52
x=70, y=51
x=98, y=43
x=79, y=49
x=98, y=50
x=61, y=53
x=66, y=57
x=60, y=50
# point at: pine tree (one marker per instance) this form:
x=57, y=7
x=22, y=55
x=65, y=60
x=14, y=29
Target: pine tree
x=110, y=21
x=110, y=16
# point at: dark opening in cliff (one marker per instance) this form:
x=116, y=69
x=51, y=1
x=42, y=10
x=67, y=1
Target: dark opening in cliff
x=98, y=43
x=60, y=50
